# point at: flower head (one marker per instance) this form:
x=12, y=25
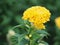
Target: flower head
x=41, y=44
x=57, y=21
x=37, y=15
x=11, y=32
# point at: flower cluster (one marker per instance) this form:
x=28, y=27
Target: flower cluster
x=37, y=15
x=57, y=21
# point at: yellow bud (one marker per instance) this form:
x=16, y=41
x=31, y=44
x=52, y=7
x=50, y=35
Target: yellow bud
x=26, y=37
x=30, y=35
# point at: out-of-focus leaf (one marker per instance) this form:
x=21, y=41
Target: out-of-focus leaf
x=43, y=43
x=10, y=2
x=19, y=19
x=16, y=40
x=6, y=20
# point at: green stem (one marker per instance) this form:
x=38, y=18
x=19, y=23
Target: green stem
x=18, y=41
x=16, y=26
x=31, y=42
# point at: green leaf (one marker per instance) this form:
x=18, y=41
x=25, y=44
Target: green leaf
x=16, y=40
x=6, y=20
x=42, y=32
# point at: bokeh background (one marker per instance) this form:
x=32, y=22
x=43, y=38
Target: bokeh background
x=12, y=10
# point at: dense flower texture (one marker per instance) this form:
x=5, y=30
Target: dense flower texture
x=37, y=15
x=57, y=21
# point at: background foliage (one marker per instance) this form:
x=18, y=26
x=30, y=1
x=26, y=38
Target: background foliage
x=12, y=10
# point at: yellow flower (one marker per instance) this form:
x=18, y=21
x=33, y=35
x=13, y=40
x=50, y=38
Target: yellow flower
x=57, y=21
x=37, y=15
x=39, y=26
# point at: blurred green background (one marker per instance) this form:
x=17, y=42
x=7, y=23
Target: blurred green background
x=12, y=10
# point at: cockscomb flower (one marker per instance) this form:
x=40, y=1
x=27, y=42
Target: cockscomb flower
x=57, y=21
x=37, y=15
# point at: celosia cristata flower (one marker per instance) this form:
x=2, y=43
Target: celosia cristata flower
x=37, y=15
x=57, y=21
